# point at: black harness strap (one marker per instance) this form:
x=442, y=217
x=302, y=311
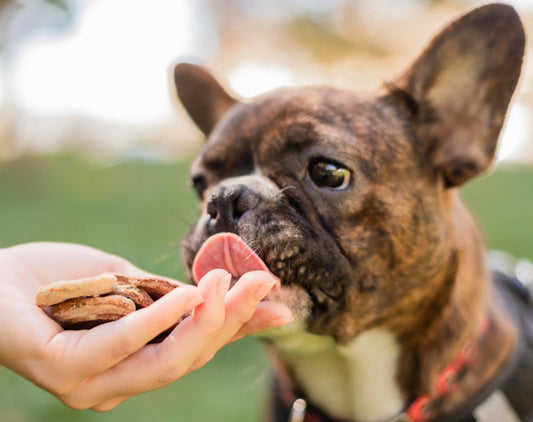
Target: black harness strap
x=518, y=387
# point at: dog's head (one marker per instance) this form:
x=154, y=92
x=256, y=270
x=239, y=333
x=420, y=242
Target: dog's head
x=349, y=198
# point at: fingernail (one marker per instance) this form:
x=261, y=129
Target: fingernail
x=223, y=285
x=277, y=282
x=263, y=290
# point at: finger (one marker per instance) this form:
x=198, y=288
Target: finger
x=109, y=404
x=156, y=365
x=203, y=326
x=268, y=314
x=114, y=341
x=241, y=302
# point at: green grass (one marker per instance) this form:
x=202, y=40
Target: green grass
x=502, y=203
x=141, y=211
x=134, y=209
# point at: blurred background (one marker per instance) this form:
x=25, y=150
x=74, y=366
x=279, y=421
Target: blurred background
x=95, y=149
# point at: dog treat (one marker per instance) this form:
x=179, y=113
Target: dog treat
x=87, y=302
x=140, y=297
x=155, y=287
x=63, y=290
x=91, y=311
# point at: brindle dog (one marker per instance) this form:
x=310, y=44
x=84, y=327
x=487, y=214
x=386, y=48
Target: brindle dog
x=351, y=200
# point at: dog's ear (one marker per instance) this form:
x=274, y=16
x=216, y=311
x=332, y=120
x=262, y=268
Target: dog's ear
x=459, y=89
x=202, y=96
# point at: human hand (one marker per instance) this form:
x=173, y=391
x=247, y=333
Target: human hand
x=102, y=367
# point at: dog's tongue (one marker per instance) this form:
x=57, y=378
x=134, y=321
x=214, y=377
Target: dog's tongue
x=228, y=252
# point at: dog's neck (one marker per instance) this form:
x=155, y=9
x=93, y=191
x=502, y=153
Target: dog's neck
x=466, y=291
x=372, y=377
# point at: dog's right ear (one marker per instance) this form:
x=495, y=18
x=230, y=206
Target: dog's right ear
x=202, y=96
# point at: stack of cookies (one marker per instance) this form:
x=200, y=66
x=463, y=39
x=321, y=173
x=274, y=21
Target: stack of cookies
x=88, y=302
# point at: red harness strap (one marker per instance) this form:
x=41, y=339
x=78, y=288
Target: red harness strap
x=424, y=408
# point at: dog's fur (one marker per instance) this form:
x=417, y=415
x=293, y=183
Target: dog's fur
x=351, y=200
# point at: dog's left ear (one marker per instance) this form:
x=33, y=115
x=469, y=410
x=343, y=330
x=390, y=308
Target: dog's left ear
x=202, y=96
x=459, y=89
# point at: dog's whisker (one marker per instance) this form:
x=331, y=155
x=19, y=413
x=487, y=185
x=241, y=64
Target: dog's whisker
x=286, y=188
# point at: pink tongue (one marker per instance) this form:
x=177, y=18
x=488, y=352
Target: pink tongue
x=228, y=252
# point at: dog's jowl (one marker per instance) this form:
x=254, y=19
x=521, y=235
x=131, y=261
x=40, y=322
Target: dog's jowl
x=351, y=200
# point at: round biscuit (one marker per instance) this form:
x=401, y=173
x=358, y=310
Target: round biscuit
x=61, y=291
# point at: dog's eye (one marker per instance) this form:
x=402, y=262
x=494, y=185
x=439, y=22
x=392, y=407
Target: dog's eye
x=199, y=184
x=326, y=174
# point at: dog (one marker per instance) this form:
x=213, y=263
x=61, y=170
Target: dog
x=352, y=201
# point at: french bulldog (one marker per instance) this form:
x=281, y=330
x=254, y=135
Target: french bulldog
x=351, y=200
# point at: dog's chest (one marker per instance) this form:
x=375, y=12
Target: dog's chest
x=355, y=381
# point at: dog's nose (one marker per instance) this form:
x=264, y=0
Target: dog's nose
x=227, y=205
